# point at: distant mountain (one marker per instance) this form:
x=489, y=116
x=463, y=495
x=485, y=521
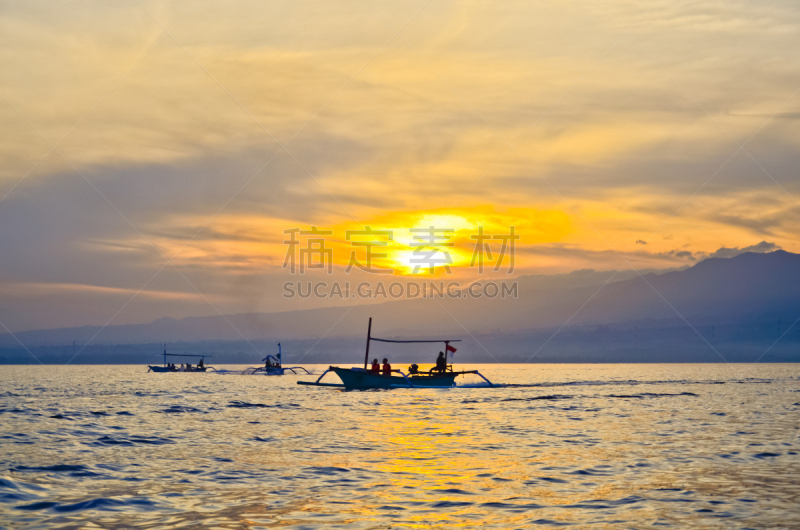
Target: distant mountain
x=748, y=284
x=726, y=292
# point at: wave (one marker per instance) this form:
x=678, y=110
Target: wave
x=635, y=382
x=246, y=405
x=650, y=395
x=100, y=503
x=179, y=409
x=131, y=440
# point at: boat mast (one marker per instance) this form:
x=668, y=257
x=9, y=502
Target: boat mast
x=369, y=337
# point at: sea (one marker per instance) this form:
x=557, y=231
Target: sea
x=604, y=446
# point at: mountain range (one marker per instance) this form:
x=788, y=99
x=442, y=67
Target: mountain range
x=744, y=304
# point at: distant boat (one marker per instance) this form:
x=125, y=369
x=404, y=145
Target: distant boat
x=362, y=379
x=273, y=366
x=185, y=367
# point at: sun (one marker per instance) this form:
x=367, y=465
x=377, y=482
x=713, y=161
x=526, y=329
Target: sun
x=436, y=243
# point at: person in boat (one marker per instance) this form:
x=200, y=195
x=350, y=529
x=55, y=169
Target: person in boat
x=441, y=363
x=200, y=364
x=188, y=367
x=387, y=368
x=376, y=368
x=413, y=369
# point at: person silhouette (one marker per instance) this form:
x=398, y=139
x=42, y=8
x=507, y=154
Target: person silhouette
x=441, y=363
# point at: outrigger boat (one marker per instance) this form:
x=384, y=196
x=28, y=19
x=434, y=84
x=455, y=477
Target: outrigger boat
x=273, y=366
x=362, y=379
x=168, y=368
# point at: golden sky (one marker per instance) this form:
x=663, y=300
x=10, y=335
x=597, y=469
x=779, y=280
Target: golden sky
x=610, y=134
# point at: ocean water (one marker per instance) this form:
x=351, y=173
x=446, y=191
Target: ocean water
x=610, y=446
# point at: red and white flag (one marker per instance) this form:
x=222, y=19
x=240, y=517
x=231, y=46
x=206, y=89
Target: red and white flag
x=450, y=349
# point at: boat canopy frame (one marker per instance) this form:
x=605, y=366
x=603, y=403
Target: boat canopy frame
x=370, y=338
x=165, y=354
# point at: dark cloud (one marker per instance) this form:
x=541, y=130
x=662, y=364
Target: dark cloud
x=607, y=258
x=62, y=231
x=766, y=222
x=764, y=246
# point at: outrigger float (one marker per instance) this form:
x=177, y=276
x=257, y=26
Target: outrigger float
x=362, y=379
x=167, y=368
x=273, y=366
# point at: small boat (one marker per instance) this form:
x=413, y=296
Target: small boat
x=273, y=366
x=199, y=367
x=362, y=379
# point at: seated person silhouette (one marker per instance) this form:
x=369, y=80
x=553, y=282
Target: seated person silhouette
x=387, y=368
x=441, y=364
x=413, y=369
x=376, y=368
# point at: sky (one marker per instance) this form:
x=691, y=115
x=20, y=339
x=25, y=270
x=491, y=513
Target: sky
x=154, y=154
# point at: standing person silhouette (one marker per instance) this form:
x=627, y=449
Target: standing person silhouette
x=441, y=363
x=387, y=368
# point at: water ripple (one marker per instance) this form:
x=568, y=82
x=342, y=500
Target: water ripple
x=596, y=445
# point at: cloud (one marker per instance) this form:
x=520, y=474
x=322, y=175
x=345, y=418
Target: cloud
x=762, y=247
x=424, y=123
x=609, y=259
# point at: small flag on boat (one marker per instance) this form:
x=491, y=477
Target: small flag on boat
x=451, y=349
